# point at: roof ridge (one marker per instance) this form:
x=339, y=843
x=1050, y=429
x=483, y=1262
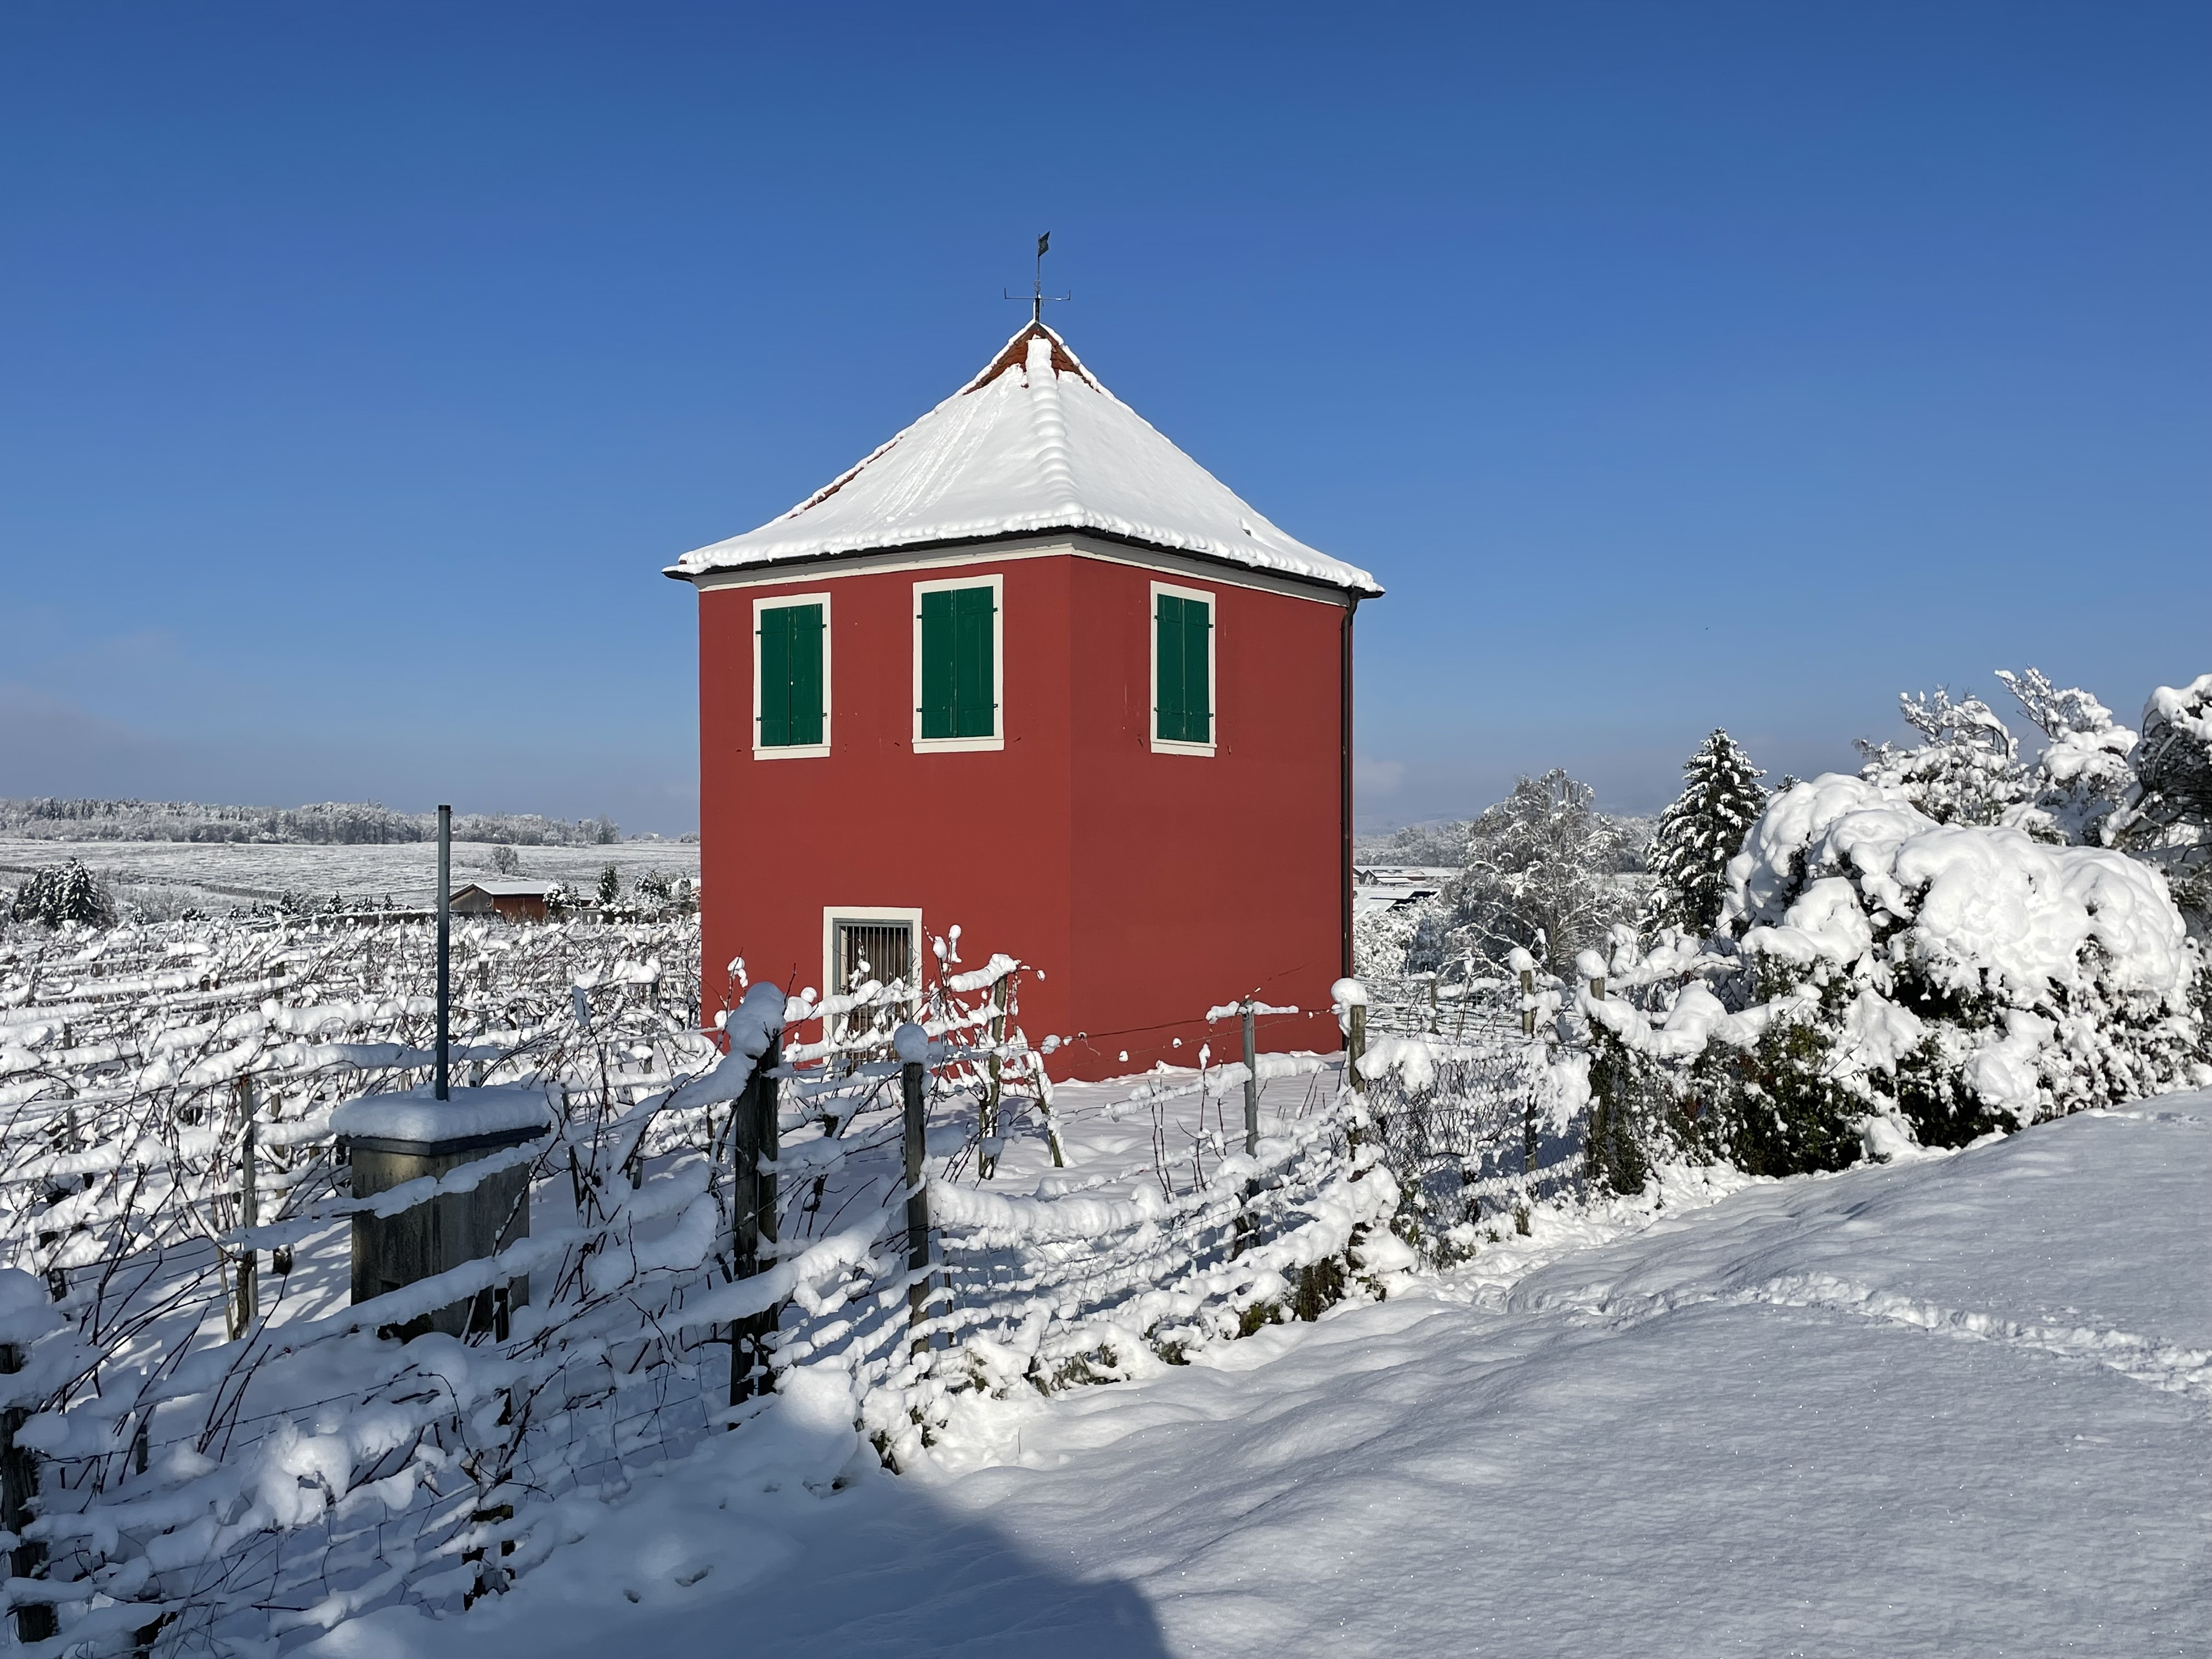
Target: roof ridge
x=1015, y=354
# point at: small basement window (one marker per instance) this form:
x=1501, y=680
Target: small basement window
x=864, y=943
x=791, y=677
x=1182, y=669
x=959, y=653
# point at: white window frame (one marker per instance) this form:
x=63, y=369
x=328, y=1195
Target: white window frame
x=833, y=914
x=1212, y=603
x=799, y=751
x=997, y=584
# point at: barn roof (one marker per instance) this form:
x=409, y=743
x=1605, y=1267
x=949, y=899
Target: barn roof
x=507, y=887
x=1032, y=444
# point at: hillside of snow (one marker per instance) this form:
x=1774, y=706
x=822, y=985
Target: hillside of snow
x=1952, y=1404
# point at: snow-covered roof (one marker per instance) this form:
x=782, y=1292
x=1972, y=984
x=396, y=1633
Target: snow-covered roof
x=507, y=887
x=1032, y=444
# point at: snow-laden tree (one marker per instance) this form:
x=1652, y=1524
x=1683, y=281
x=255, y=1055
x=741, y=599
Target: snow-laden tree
x=609, y=884
x=2169, y=822
x=505, y=861
x=1435, y=845
x=1696, y=837
x=1966, y=768
x=64, y=893
x=1545, y=872
x=2083, y=776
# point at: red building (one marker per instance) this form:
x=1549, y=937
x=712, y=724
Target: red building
x=1031, y=670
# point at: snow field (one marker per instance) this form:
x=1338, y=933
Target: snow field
x=1956, y=1404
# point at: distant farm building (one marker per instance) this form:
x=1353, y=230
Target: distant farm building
x=510, y=898
x=1030, y=669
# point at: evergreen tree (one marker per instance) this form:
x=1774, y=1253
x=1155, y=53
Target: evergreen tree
x=609, y=884
x=64, y=893
x=1699, y=834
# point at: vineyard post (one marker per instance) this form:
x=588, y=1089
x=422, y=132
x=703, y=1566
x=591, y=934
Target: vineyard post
x=987, y=1164
x=445, y=948
x=913, y=1047
x=19, y=1484
x=1251, y=1078
x=249, y=1307
x=1356, y=1049
x=753, y=1205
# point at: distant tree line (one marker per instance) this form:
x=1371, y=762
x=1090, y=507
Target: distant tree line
x=349, y=824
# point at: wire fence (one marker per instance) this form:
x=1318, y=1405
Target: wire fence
x=212, y=1446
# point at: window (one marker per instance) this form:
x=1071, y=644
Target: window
x=866, y=942
x=1182, y=671
x=958, y=654
x=791, y=677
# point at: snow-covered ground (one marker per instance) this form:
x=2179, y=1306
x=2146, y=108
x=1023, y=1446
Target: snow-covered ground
x=1956, y=1404
x=219, y=876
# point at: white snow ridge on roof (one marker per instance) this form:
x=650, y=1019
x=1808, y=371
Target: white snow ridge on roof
x=1034, y=443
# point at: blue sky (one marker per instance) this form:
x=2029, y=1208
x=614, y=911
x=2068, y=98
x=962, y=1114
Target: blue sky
x=1673, y=366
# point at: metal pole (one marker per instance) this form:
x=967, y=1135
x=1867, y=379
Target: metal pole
x=917, y=1202
x=1251, y=1082
x=445, y=946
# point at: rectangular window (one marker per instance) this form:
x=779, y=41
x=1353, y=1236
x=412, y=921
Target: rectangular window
x=791, y=677
x=958, y=657
x=1182, y=669
x=864, y=942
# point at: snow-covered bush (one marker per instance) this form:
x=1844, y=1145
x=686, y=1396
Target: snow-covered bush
x=2169, y=819
x=1883, y=977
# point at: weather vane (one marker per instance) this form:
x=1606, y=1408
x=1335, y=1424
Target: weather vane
x=1038, y=299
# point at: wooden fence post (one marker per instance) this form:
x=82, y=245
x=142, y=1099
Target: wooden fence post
x=247, y=1306
x=753, y=1136
x=19, y=1484
x=1251, y=1081
x=912, y=1075
x=1356, y=1049
x=987, y=1164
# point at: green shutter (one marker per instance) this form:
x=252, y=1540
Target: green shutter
x=975, y=685
x=791, y=711
x=937, y=676
x=1197, y=672
x=959, y=666
x=807, y=709
x=775, y=678
x=1183, y=691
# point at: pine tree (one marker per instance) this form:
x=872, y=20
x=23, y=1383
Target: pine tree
x=609, y=884
x=64, y=893
x=1698, y=835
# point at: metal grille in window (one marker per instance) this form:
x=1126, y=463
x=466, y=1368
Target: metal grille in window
x=874, y=950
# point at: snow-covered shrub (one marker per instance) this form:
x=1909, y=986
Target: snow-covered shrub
x=61, y=894
x=1700, y=832
x=1874, y=964
x=1966, y=769
x=2169, y=820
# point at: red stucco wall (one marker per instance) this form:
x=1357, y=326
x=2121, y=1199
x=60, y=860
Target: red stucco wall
x=1147, y=887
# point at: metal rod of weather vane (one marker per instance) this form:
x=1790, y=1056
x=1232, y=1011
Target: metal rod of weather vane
x=445, y=948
